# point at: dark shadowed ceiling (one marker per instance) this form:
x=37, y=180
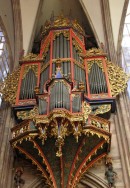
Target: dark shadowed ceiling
x=73, y=9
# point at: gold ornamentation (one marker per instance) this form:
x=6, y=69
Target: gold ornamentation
x=31, y=57
x=79, y=64
x=64, y=32
x=62, y=22
x=44, y=66
x=77, y=27
x=59, y=143
x=28, y=114
x=103, y=109
x=79, y=36
x=86, y=110
x=77, y=46
x=33, y=67
x=43, y=133
x=77, y=126
x=81, y=86
x=99, y=122
x=97, y=61
x=117, y=78
x=46, y=49
x=60, y=124
x=10, y=85
x=94, y=52
x=61, y=130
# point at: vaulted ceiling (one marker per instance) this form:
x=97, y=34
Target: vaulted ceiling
x=22, y=31
x=89, y=16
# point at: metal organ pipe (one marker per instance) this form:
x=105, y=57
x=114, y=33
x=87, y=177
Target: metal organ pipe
x=54, y=49
x=57, y=47
x=44, y=78
x=68, y=48
x=59, y=96
x=65, y=47
x=28, y=85
x=97, y=81
x=61, y=49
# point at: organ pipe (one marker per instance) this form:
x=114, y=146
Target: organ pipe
x=67, y=66
x=97, y=81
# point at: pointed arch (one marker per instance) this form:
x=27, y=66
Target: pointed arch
x=93, y=181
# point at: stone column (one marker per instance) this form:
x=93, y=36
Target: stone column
x=121, y=118
x=6, y=155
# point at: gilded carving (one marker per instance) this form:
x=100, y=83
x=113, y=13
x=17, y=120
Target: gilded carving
x=77, y=46
x=44, y=66
x=103, y=109
x=86, y=110
x=79, y=64
x=94, y=52
x=117, y=78
x=10, y=85
x=33, y=67
x=46, y=49
x=61, y=22
x=31, y=57
x=28, y=114
x=64, y=32
x=97, y=61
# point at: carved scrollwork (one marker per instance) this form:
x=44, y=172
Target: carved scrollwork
x=10, y=85
x=33, y=67
x=117, y=78
x=86, y=110
x=30, y=57
x=97, y=61
x=28, y=114
x=95, y=52
x=103, y=109
x=61, y=22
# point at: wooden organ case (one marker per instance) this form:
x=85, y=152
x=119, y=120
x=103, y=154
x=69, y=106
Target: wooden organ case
x=62, y=99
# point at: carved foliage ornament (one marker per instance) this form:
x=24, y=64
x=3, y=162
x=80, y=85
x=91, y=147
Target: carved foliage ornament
x=97, y=61
x=94, y=52
x=103, y=109
x=10, y=85
x=34, y=67
x=31, y=57
x=60, y=22
x=117, y=78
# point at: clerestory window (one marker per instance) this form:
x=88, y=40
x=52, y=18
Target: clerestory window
x=4, y=58
x=126, y=46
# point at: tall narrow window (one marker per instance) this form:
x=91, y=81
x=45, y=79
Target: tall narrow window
x=126, y=46
x=4, y=59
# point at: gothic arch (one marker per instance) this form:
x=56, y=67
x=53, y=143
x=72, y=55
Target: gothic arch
x=93, y=181
x=7, y=43
x=121, y=31
x=37, y=183
x=91, y=24
x=18, y=31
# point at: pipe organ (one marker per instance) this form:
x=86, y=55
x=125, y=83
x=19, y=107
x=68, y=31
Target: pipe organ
x=62, y=99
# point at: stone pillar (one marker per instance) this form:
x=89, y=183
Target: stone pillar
x=6, y=155
x=121, y=118
x=108, y=33
x=122, y=130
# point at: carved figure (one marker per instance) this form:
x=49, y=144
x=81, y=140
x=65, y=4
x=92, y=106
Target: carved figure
x=17, y=178
x=110, y=175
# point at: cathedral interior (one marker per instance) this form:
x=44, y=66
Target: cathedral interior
x=64, y=94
